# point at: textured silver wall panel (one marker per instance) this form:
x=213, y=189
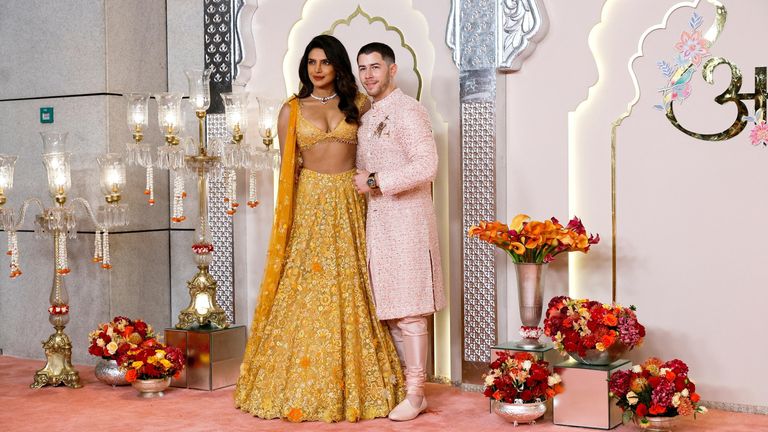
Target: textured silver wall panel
x=478, y=155
x=218, y=49
x=222, y=267
x=521, y=24
x=477, y=34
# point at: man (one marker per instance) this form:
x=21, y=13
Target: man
x=397, y=162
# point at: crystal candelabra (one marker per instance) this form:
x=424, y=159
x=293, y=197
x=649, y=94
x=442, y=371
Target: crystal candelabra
x=59, y=223
x=180, y=156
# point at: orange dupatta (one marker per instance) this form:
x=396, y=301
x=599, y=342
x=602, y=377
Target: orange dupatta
x=281, y=229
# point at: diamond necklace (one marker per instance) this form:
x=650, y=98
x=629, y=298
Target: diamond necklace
x=324, y=99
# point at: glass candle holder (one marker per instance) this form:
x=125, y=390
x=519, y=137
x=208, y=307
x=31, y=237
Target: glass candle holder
x=57, y=166
x=268, y=111
x=138, y=114
x=7, y=163
x=112, y=178
x=199, y=88
x=236, y=111
x=169, y=115
x=54, y=142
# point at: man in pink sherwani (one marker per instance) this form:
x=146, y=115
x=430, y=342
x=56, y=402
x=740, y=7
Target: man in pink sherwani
x=397, y=162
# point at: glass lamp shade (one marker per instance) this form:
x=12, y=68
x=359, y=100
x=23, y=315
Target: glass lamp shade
x=236, y=109
x=7, y=163
x=169, y=112
x=112, y=176
x=138, y=111
x=54, y=142
x=268, y=110
x=199, y=88
x=58, y=168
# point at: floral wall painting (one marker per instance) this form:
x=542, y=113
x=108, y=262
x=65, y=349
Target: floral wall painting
x=693, y=49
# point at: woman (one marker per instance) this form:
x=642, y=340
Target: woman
x=317, y=350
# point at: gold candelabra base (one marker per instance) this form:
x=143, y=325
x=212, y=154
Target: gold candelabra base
x=58, y=369
x=203, y=307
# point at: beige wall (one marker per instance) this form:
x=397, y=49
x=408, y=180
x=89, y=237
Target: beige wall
x=688, y=255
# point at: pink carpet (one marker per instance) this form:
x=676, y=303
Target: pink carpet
x=98, y=407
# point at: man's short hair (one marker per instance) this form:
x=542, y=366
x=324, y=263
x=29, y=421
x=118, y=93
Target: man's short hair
x=377, y=47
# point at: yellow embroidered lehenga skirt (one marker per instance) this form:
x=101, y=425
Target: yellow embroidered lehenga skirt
x=323, y=354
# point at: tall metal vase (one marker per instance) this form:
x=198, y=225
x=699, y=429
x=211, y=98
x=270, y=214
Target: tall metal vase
x=530, y=293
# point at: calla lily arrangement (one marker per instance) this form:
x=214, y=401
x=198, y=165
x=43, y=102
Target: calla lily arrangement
x=530, y=241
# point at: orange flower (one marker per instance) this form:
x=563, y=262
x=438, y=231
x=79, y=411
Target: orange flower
x=657, y=409
x=295, y=415
x=695, y=397
x=610, y=319
x=316, y=267
x=517, y=222
x=130, y=375
x=517, y=248
x=653, y=365
x=304, y=363
x=608, y=340
x=638, y=384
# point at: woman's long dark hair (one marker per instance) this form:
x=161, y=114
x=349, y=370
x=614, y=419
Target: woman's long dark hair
x=345, y=84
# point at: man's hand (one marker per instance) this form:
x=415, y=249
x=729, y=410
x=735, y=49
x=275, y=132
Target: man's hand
x=361, y=181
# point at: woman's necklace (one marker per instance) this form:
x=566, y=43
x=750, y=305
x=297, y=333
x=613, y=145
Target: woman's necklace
x=323, y=99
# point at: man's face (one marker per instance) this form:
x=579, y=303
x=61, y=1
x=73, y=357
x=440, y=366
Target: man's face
x=375, y=75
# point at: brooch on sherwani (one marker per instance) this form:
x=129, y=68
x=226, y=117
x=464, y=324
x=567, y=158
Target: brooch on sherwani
x=380, y=128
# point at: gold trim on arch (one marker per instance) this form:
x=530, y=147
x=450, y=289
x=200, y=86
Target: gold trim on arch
x=371, y=20
x=711, y=35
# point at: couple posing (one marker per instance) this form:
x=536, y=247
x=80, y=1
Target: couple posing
x=336, y=319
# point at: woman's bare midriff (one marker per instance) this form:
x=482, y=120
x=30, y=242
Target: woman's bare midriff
x=329, y=157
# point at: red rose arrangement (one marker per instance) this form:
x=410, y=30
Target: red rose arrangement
x=655, y=388
x=116, y=337
x=580, y=325
x=151, y=360
x=520, y=378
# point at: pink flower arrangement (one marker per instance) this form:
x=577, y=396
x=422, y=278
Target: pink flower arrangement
x=520, y=378
x=655, y=388
x=578, y=325
x=116, y=337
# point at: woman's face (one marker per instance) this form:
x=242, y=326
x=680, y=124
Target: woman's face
x=320, y=69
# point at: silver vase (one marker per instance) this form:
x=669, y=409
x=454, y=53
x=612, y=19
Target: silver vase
x=151, y=388
x=519, y=412
x=108, y=372
x=530, y=296
x=658, y=424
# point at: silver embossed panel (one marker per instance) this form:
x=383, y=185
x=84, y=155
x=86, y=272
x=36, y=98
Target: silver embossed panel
x=479, y=195
x=222, y=267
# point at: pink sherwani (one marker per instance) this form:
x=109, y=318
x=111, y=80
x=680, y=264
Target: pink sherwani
x=395, y=141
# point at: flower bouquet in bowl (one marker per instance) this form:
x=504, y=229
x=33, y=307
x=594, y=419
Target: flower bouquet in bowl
x=150, y=366
x=592, y=332
x=654, y=393
x=113, y=339
x=532, y=244
x=519, y=384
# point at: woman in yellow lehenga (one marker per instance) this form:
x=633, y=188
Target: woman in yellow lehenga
x=317, y=350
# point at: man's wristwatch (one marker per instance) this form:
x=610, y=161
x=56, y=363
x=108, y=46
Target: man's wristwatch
x=371, y=182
